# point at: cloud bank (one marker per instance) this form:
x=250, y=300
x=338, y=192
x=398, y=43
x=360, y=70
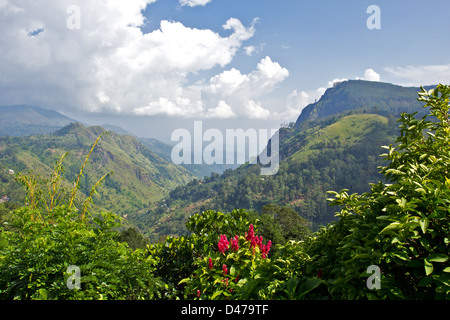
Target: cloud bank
x=92, y=56
x=105, y=63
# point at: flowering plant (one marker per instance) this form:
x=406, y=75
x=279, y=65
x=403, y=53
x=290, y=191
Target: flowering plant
x=224, y=273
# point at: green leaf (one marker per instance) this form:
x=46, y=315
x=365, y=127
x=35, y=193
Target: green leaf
x=401, y=255
x=428, y=267
x=425, y=244
x=232, y=271
x=390, y=228
x=424, y=225
x=216, y=294
x=372, y=296
x=362, y=256
x=437, y=257
x=184, y=280
x=425, y=281
x=421, y=190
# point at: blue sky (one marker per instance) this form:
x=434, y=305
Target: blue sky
x=154, y=65
x=318, y=41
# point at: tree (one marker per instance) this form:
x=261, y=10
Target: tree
x=133, y=238
x=282, y=224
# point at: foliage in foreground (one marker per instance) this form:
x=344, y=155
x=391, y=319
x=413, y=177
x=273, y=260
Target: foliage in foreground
x=399, y=229
x=41, y=243
x=402, y=227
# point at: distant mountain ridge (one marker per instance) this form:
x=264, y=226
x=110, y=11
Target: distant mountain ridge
x=23, y=120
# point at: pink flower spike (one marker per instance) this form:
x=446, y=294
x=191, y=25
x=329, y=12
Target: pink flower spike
x=253, y=243
x=235, y=243
x=265, y=249
x=250, y=234
x=223, y=244
x=224, y=269
x=259, y=241
x=210, y=264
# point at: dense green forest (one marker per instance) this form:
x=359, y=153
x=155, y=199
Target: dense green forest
x=390, y=242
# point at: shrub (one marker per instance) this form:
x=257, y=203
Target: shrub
x=49, y=235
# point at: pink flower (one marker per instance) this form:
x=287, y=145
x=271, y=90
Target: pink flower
x=253, y=242
x=235, y=243
x=224, y=269
x=265, y=249
x=223, y=244
x=210, y=264
x=251, y=233
x=259, y=241
x=198, y=293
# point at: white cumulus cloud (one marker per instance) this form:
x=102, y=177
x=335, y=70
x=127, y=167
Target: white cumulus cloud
x=108, y=64
x=222, y=111
x=297, y=100
x=243, y=91
x=371, y=75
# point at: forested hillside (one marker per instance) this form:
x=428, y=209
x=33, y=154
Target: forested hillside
x=138, y=176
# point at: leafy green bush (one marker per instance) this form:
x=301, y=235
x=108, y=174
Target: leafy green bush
x=224, y=258
x=176, y=257
x=402, y=226
x=40, y=241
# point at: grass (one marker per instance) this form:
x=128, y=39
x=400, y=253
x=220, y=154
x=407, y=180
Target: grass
x=346, y=131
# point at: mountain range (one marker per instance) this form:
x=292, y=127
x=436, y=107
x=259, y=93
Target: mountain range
x=334, y=144
x=24, y=120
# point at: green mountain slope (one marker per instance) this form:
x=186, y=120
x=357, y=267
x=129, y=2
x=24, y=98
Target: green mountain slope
x=139, y=178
